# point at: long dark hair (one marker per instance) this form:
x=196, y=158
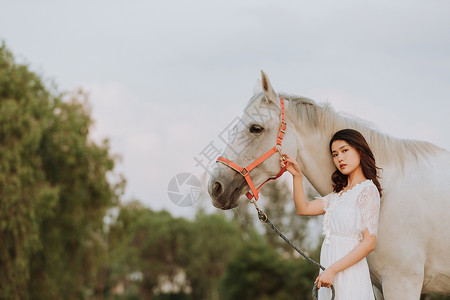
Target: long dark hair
x=355, y=139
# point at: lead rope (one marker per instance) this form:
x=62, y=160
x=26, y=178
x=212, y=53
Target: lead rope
x=264, y=219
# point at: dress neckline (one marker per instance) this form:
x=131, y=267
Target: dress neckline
x=349, y=190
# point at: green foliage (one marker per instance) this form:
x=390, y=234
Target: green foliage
x=281, y=210
x=277, y=202
x=216, y=259
x=26, y=196
x=260, y=272
x=53, y=188
x=148, y=244
x=213, y=242
x=159, y=247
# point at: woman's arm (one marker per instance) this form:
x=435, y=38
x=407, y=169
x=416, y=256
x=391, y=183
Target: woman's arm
x=311, y=208
x=326, y=278
x=303, y=207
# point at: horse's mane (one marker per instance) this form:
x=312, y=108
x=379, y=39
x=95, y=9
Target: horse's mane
x=388, y=149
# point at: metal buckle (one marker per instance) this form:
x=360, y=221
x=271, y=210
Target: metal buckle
x=278, y=147
x=262, y=216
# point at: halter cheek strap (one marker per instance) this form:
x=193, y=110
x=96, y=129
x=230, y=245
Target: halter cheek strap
x=245, y=171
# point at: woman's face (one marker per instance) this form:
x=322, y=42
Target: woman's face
x=345, y=157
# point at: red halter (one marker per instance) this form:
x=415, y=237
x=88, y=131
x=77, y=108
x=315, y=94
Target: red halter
x=245, y=171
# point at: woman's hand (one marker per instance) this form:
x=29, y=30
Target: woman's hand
x=325, y=279
x=291, y=165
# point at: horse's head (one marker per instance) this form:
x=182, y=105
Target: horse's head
x=254, y=134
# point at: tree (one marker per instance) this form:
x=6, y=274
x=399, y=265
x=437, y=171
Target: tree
x=147, y=244
x=53, y=187
x=282, y=213
x=276, y=200
x=159, y=247
x=260, y=272
x=213, y=242
x=26, y=196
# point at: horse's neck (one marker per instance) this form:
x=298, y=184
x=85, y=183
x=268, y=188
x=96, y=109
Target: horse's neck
x=315, y=162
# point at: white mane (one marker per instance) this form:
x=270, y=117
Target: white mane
x=324, y=118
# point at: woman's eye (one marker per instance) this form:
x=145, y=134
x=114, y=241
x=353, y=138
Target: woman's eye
x=345, y=150
x=256, y=129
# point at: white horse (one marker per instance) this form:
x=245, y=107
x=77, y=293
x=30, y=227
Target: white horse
x=412, y=255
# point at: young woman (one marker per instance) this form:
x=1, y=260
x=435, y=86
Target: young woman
x=351, y=213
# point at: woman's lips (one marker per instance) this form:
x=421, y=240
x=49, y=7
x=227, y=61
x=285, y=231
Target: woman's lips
x=342, y=166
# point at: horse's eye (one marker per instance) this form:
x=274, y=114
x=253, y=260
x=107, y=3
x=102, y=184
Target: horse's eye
x=256, y=129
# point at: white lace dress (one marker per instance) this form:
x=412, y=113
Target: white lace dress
x=346, y=216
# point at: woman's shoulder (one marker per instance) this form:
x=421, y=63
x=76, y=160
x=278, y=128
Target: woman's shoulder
x=328, y=196
x=368, y=187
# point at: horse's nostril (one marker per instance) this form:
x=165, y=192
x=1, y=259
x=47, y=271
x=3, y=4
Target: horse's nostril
x=217, y=190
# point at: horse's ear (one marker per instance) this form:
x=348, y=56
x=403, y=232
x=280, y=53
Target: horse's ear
x=268, y=89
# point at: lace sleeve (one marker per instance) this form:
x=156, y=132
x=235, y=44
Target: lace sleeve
x=369, y=205
x=326, y=201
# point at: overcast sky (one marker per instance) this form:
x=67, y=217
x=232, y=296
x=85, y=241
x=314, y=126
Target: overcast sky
x=166, y=77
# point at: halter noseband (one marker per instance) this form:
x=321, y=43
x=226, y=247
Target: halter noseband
x=245, y=171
